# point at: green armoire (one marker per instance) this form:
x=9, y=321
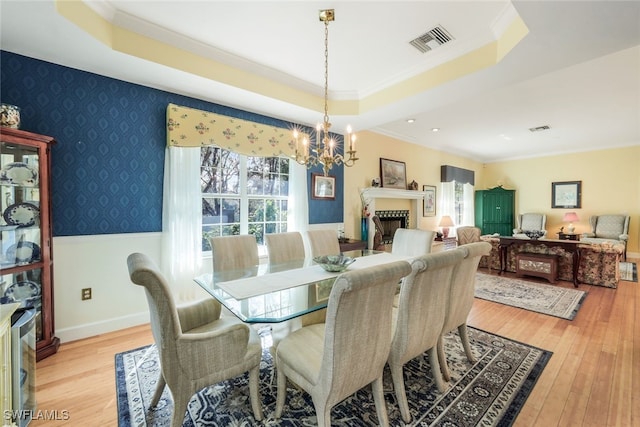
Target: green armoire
x=495, y=211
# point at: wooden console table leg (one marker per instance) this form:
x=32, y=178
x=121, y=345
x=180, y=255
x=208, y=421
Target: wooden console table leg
x=502, y=251
x=576, y=265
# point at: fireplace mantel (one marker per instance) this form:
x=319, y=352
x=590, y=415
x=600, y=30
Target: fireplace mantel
x=390, y=193
x=370, y=194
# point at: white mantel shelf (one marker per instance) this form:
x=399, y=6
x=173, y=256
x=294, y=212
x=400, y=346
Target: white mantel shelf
x=370, y=194
x=390, y=193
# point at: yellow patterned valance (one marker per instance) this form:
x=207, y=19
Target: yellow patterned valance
x=188, y=127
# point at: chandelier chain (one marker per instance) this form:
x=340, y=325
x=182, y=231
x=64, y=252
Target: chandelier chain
x=326, y=72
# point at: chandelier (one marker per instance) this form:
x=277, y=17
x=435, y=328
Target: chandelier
x=324, y=152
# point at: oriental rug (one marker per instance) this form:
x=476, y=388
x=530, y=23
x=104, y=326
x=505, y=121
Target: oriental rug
x=490, y=392
x=629, y=271
x=546, y=299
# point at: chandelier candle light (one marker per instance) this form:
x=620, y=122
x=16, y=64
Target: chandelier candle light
x=324, y=151
x=570, y=217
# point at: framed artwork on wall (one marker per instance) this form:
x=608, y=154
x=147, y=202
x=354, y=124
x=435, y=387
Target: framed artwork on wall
x=429, y=200
x=567, y=194
x=323, y=187
x=393, y=174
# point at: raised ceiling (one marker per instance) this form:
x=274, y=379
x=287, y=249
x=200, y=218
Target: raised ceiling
x=510, y=66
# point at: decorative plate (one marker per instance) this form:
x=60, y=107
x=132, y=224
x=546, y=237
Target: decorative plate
x=21, y=214
x=23, y=290
x=19, y=173
x=23, y=252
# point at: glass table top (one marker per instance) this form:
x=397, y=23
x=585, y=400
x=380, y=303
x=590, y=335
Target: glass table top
x=272, y=293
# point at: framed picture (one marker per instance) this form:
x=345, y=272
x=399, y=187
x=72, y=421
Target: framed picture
x=323, y=187
x=393, y=174
x=429, y=200
x=566, y=194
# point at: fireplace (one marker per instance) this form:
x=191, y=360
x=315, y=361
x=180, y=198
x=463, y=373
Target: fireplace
x=392, y=220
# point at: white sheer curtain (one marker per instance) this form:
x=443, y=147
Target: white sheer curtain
x=468, y=212
x=298, y=212
x=181, y=254
x=448, y=199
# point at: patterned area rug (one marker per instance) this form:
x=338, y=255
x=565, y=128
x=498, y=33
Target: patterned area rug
x=629, y=271
x=546, y=299
x=490, y=392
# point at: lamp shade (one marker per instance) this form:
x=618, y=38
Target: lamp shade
x=570, y=217
x=446, y=221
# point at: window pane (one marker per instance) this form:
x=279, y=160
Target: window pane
x=256, y=210
x=258, y=231
x=231, y=230
x=272, y=208
x=230, y=210
x=210, y=210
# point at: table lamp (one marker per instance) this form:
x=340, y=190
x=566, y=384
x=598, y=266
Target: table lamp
x=570, y=217
x=445, y=223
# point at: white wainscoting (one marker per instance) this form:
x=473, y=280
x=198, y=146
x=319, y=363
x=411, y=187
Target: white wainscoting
x=98, y=262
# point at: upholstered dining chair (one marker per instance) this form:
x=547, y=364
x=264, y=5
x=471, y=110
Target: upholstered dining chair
x=608, y=228
x=530, y=222
x=284, y=247
x=412, y=241
x=234, y=252
x=323, y=242
x=419, y=318
x=197, y=347
x=462, y=291
x=468, y=234
x=333, y=360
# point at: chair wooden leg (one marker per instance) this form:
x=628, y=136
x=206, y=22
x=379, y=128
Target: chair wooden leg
x=180, y=402
x=442, y=360
x=435, y=370
x=323, y=414
x=378, y=398
x=281, y=385
x=256, y=404
x=159, y=389
x=401, y=394
x=464, y=337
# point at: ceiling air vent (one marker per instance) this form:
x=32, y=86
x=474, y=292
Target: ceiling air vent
x=431, y=39
x=540, y=128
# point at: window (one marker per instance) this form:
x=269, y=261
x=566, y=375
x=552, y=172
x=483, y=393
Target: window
x=242, y=194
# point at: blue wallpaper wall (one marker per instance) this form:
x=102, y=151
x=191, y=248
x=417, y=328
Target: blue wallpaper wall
x=108, y=163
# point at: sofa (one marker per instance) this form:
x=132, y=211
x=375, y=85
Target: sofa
x=599, y=262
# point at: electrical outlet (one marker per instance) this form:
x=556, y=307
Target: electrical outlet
x=86, y=294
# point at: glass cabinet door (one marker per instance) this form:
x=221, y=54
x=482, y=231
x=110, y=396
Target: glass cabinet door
x=26, y=268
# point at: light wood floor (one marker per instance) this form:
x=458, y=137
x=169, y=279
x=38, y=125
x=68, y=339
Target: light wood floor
x=592, y=379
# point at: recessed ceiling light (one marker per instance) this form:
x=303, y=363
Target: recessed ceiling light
x=435, y=129
x=411, y=120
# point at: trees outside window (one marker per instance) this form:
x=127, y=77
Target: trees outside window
x=242, y=194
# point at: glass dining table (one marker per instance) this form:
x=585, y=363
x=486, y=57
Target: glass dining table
x=273, y=293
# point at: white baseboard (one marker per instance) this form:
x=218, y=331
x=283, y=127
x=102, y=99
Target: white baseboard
x=91, y=329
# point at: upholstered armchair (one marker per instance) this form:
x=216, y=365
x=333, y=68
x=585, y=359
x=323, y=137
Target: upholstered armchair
x=197, y=347
x=608, y=228
x=468, y=234
x=530, y=221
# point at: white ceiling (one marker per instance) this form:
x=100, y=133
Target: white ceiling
x=577, y=70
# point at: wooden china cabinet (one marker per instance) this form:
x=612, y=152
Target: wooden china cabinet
x=26, y=258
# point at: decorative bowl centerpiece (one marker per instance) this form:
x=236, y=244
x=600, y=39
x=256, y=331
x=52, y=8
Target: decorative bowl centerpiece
x=533, y=234
x=334, y=263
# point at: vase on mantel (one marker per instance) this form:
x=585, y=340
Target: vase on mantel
x=364, y=229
